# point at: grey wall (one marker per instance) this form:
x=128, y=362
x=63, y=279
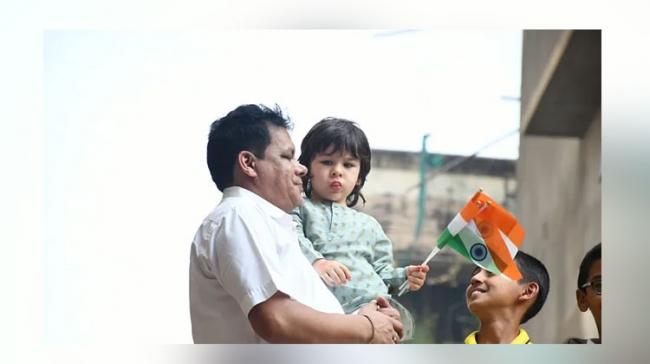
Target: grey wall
x=538, y=50
x=558, y=177
x=559, y=204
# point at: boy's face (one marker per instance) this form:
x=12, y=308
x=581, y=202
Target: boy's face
x=334, y=175
x=488, y=292
x=590, y=299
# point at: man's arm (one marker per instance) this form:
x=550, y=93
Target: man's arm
x=281, y=319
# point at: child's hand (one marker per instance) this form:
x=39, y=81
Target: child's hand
x=416, y=275
x=332, y=272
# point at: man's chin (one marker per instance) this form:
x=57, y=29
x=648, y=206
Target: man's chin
x=301, y=201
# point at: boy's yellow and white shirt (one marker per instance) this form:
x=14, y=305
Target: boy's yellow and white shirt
x=522, y=338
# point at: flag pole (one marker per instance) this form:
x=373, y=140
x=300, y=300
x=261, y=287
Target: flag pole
x=404, y=287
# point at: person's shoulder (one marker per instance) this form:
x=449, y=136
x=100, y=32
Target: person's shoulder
x=317, y=204
x=471, y=338
x=233, y=207
x=575, y=340
x=357, y=212
x=300, y=212
x=231, y=218
x=368, y=219
x=213, y=223
x=310, y=207
x=307, y=204
x=522, y=338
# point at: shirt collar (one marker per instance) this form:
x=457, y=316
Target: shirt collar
x=471, y=338
x=522, y=338
x=267, y=207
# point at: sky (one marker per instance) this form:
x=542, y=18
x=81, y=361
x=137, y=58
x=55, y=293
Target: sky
x=459, y=86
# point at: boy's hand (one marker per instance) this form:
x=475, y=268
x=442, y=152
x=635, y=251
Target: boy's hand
x=416, y=275
x=332, y=272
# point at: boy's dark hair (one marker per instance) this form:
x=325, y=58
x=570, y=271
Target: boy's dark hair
x=592, y=256
x=245, y=128
x=344, y=136
x=533, y=270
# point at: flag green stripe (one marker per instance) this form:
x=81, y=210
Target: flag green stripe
x=453, y=242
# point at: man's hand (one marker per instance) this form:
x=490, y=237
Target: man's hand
x=332, y=272
x=385, y=321
x=416, y=274
x=384, y=307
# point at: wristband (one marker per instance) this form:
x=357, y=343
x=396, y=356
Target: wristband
x=372, y=327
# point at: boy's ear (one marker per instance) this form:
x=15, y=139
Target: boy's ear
x=246, y=163
x=530, y=291
x=581, y=299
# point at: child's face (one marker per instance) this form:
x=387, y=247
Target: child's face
x=488, y=292
x=333, y=176
x=590, y=299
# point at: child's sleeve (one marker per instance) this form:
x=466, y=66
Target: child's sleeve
x=383, y=261
x=305, y=244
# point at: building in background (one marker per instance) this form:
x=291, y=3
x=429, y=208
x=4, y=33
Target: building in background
x=392, y=195
x=555, y=192
x=558, y=171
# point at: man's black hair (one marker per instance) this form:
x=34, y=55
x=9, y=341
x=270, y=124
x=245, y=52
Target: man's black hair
x=245, y=128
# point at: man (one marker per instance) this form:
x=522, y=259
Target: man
x=503, y=305
x=249, y=281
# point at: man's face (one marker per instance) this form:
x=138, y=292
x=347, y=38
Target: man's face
x=279, y=174
x=589, y=299
x=488, y=292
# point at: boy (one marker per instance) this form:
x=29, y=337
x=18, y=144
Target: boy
x=588, y=293
x=502, y=305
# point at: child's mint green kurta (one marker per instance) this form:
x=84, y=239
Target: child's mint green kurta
x=337, y=232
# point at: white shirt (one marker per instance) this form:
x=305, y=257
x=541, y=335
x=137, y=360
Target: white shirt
x=244, y=252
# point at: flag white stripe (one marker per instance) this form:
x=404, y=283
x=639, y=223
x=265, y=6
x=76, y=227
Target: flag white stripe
x=471, y=225
x=512, y=248
x=456, y=225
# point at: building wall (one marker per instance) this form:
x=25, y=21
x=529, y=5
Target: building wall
x=539, y=62
x=559, y=194
x=392, y=201
x=560, y=207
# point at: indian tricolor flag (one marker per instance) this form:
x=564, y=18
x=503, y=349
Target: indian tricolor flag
x=487, y=234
